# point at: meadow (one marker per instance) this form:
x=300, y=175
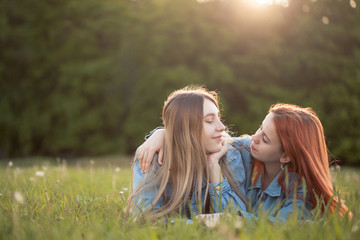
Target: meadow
x=85, y=199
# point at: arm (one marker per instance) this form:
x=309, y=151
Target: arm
x=154, y=143
x=222, y=197
x=221, y=194
x=238, y=161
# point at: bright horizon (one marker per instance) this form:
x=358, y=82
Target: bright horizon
x=284, y=3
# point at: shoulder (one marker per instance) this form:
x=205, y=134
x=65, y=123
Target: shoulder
x=242, y=142
x=240, y=148
x=295, y=183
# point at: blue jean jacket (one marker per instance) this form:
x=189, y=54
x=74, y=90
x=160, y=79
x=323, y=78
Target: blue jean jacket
x=272, y=201
x=145, y=200
x=238, y=160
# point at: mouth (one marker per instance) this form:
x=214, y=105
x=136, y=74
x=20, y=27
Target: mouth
x=218, y=137
x=252, y=147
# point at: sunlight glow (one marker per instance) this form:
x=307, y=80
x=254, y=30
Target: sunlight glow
x=284, y=3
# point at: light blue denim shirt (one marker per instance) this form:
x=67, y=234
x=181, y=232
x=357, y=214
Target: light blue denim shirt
x=144, y=201
x=272, y=201
x=275, y=202
x=238, y=160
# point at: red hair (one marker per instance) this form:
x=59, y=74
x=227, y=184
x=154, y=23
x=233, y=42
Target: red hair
x=302, y=138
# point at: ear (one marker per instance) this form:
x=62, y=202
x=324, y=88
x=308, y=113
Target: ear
x=284, y=158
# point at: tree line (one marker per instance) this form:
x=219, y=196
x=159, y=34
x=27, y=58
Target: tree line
x=90, y=77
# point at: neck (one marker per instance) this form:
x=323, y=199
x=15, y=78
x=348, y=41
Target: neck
x=270, y=172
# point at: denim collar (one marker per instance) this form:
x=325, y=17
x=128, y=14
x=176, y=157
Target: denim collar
x=273, y=190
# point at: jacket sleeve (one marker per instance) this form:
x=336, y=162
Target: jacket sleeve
x=152, y=131
x=222, y=197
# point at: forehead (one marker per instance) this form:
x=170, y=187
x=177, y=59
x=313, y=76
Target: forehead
x=269, y=127
x=210, y=107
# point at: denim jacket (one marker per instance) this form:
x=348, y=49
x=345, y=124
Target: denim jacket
x=144, y=201
x=272, y=201
x=238, y=160
x=275, y=202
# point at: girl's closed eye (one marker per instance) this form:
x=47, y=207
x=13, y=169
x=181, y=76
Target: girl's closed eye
x=209, y=120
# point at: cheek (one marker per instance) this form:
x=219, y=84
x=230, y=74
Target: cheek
x=206, y=132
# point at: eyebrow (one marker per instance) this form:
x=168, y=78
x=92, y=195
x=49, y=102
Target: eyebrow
x=209, y=114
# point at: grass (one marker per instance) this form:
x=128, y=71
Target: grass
x=51, y=199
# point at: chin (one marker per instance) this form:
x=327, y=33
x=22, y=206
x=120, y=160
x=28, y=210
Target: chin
x=213, y=149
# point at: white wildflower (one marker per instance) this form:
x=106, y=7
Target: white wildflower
x=39, y=173
x=117, y=169
x=11, y=164
x=238, y=224
x=125, y=189
x=92, y=162
x=19, y=197
x=121, y=192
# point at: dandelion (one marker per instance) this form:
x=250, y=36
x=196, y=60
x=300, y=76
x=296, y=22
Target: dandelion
x=11, y=164
x=238, y=224
x=39, y=173
x=19, y=197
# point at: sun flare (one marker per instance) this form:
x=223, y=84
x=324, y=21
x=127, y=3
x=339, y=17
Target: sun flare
x=284, y=3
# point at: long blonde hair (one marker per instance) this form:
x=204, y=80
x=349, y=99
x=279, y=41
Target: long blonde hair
x=185, y=165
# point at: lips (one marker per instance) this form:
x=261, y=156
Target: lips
x=218, y=137
x=252, y=147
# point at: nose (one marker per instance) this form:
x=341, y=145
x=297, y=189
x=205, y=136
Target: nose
x=255, y=138
x=220, y=127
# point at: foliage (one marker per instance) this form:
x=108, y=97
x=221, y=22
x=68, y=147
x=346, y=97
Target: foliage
x=90, y=77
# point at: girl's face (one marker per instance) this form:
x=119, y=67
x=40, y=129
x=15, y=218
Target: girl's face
x=266, y=146
x=213, y=128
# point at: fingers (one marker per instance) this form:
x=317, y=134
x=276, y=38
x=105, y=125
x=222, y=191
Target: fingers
x=148, y=159
x=143, y=164
x=160, y=157
x=140, y=156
